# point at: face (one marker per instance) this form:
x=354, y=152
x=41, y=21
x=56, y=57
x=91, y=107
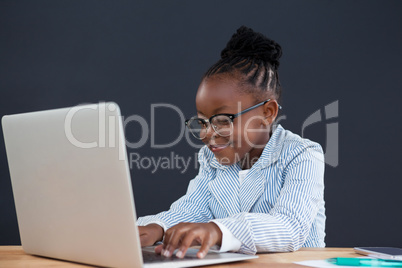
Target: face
x=251, y=130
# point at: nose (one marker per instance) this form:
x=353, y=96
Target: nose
x=210, y=134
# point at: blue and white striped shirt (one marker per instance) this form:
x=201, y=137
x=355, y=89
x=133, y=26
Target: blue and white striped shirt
x=278, y=207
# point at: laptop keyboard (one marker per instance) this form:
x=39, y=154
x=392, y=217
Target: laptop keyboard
x=150, y=257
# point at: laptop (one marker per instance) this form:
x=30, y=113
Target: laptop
x=72, y=189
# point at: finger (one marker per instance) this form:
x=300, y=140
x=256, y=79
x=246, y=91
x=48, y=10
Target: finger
x=166, y=242
x=166, y=238
x=169, y=232
x=205, y=246
x=173, y=241
x=158, y=249
x=187, y=241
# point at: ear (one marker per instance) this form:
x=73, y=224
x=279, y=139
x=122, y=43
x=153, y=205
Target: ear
x=271, y=109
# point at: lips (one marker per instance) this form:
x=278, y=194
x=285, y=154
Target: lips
x=217, y=148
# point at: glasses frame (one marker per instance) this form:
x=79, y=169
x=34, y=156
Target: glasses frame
x=207, y=122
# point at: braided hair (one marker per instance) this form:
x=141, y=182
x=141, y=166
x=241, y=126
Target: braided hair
x=255, y=57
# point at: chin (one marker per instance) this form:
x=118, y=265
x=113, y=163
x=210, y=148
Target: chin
x=226, y=154
x=225, y=161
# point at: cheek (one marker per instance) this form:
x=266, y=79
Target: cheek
x=248, y=133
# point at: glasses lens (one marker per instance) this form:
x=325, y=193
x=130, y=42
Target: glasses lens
x=222, y=125
x=197, y=127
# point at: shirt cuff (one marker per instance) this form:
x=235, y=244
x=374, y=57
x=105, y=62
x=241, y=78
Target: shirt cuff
x=143, y=221
x=229, y=241
x=161, y=224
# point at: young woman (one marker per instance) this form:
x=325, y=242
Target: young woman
x=260, y=187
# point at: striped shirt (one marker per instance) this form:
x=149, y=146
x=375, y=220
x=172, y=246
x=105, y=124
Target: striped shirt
x=278, y=207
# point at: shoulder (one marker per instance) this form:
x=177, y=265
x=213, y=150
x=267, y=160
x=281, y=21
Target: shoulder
x=294, y=145
x=286, y=146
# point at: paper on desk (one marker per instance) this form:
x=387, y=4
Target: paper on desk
x=320, y=264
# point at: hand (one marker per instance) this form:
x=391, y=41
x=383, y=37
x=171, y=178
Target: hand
x=150, y=234
x=184, y=235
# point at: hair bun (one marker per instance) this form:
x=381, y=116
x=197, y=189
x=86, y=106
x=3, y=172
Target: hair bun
x=249, y=44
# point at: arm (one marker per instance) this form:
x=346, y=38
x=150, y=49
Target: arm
x=287, y=225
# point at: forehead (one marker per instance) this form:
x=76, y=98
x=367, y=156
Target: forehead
x=220, y=95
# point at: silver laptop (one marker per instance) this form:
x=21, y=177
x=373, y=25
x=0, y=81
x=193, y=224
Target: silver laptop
x=72, y=189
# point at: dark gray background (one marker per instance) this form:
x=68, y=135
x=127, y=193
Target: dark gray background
x=61, y=53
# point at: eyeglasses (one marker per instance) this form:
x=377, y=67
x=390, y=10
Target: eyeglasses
x=222, y=124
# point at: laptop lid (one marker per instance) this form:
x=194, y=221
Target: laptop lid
x=72, y=188
x=71, y=185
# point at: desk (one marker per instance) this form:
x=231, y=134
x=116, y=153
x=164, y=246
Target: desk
x=14, y=257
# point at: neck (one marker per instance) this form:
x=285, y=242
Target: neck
x=254, y=154
x=247, y=162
